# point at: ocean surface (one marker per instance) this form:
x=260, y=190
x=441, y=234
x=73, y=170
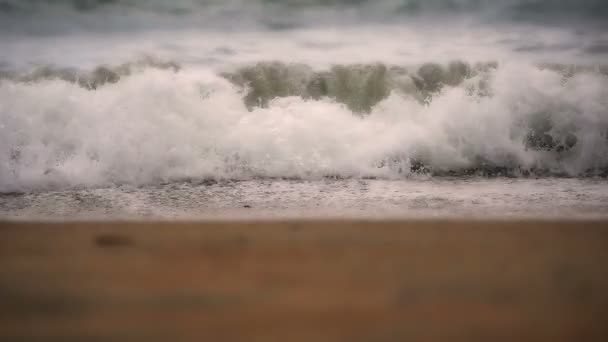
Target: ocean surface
x=195, y=109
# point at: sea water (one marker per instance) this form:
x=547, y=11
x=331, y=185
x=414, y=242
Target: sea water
x=303, y=108
x=432, y=198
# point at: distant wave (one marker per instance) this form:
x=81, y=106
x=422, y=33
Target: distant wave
x=595, y=7
x=148, y=121
x=281, y=14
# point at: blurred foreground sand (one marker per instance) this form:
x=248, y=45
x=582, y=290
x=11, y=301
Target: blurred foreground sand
x=304, y=281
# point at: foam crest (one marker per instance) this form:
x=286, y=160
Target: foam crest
x=84, y=78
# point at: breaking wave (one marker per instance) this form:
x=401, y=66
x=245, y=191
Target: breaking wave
x=149, y=122
x=359, y=87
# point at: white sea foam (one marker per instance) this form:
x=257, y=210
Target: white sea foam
x=160, y=125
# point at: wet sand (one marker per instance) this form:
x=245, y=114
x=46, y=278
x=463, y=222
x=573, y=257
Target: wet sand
x=304, y=281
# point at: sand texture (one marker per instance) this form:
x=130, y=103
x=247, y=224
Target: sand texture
x=304, y=281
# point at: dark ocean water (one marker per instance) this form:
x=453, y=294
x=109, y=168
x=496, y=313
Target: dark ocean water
x=41, y=16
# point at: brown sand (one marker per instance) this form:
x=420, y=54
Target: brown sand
x=315, y=281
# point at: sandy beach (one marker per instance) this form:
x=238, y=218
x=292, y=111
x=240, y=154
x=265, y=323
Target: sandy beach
x=304, y=281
